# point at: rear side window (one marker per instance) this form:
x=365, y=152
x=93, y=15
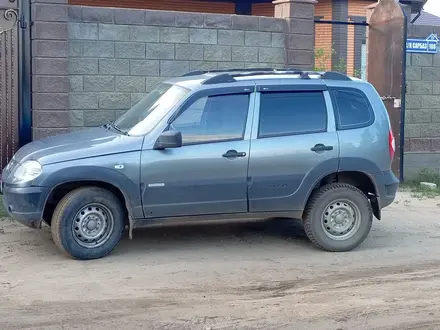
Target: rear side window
x=352, y=109
x=290, y=113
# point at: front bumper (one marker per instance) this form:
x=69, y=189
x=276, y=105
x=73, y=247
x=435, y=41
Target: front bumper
x=25, y=204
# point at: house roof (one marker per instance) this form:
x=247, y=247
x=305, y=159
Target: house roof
x=427, y=19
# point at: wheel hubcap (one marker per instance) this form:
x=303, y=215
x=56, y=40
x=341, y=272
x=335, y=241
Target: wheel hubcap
x=93, y=225
x=341, y=220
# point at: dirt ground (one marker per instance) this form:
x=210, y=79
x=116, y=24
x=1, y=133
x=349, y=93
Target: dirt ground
x=230, y=277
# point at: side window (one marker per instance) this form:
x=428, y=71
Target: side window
x=192, y=116
x=352, y=109
x=213, y=119
x=289, y=113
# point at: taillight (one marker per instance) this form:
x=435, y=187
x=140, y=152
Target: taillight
x=391, y=144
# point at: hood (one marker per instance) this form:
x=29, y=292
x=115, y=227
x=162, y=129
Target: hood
x=81, y=144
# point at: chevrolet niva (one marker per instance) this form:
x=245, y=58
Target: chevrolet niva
x=215, y=146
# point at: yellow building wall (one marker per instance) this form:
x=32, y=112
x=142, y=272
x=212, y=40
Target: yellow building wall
x=263, y=9
x=323, y=36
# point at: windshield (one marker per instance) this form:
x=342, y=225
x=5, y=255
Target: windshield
x=147, y=113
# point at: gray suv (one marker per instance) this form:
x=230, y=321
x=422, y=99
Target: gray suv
x=215, y=146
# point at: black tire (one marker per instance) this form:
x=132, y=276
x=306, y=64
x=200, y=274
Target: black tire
x=66, y=236
x=314, y=217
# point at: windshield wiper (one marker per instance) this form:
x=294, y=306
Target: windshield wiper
x=116, y=128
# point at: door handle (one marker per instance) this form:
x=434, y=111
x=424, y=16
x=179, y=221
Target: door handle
x=233, y=154
x=320, y=147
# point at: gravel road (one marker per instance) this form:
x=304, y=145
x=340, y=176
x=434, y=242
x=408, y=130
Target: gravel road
x=230, y=277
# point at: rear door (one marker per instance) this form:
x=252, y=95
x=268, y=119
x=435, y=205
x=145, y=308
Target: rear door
x=293, y=145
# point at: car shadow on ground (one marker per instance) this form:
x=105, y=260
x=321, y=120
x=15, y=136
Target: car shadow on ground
x=196, y=236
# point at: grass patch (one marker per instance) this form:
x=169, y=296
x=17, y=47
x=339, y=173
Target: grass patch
x=424, y=175
x=2, y=209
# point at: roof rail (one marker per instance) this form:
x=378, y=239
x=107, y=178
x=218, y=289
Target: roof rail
x=200, y=72
x=219, y=79
x=193, y=73
x=304, y=75
x=331, y=75
x=229, y=75
x=267, y=73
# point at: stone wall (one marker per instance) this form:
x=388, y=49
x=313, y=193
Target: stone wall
x=422, y=115
x=50, y=80
x=90, y=64
x=117, y=55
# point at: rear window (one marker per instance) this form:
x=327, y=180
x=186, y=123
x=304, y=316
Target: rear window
x=290, y=113
x=352, y=109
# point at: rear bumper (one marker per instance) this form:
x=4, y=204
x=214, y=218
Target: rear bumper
x=387, y=185
x=25, y=204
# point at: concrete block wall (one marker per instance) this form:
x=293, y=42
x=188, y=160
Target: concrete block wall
x=422, y=113
x=91, y=64
x=117, y=55
x=50, y=80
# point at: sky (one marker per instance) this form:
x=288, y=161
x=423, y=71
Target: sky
x=433, y=7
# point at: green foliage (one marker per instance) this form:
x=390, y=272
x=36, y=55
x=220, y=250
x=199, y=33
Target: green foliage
x=323, y=57
x=358, y=73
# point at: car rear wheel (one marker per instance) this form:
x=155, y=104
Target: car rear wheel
x=88, y=223
x=338, y=217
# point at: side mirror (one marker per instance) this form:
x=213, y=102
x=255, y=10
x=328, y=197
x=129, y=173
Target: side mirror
x=168, y=139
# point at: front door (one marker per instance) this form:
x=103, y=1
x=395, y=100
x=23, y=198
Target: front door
x=208, y=174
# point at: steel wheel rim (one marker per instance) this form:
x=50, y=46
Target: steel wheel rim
x=341, y=220
x=93, y=225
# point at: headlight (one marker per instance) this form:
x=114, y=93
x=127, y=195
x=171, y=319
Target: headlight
x=27, y=171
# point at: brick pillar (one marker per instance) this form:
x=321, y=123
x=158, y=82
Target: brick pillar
x=300, y=32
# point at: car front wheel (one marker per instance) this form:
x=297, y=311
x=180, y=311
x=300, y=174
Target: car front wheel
x=338, y=217
x=88, y=223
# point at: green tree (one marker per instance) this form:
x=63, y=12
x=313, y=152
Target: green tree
x=323, y=57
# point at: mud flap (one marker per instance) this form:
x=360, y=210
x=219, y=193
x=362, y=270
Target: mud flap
x=375, y=206
x=131, y=225
x=37, y=224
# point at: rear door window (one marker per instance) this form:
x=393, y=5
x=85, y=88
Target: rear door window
x=292, y=113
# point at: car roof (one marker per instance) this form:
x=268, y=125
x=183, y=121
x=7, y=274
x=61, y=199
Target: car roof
x=240, y=77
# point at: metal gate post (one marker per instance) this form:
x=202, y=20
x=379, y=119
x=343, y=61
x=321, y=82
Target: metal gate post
x=25, y=71
x=403, y=98
x=9, y=83
x=387, y=66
